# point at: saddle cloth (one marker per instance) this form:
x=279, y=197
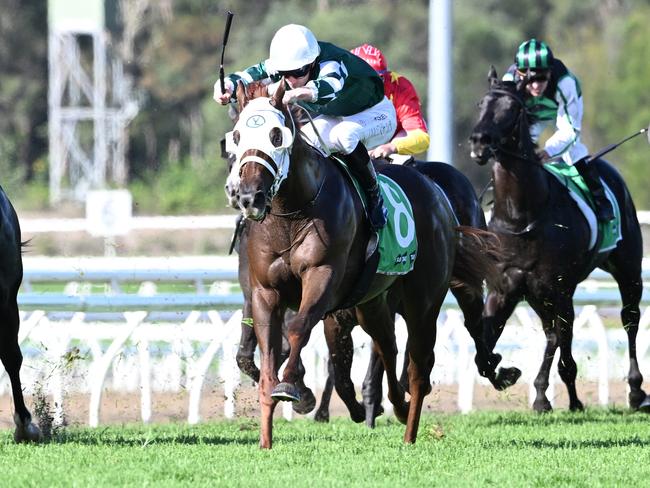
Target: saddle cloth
x=397, y=241
x=605, y=234
x=398, y=245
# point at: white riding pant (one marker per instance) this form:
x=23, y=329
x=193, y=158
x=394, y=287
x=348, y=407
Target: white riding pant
x=373, y=127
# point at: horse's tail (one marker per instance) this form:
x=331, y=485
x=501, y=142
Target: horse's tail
x=477, y=254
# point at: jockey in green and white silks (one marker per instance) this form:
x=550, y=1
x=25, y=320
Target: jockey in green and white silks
x=553, y=98
x=560, y=104
x=345, y=95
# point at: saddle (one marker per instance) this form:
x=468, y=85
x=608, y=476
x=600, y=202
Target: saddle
x=604, y=235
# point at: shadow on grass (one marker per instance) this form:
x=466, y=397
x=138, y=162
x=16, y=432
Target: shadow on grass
x=589, y=416
x=581, y=444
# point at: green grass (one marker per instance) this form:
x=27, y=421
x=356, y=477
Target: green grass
x=595, y=448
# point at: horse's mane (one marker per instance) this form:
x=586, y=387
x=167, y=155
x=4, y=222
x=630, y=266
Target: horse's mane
x=257, y=89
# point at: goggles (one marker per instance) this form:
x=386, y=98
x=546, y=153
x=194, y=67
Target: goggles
x=539, y=76
x=296, y=73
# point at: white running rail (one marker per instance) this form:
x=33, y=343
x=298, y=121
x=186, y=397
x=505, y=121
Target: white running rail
x=152, y=342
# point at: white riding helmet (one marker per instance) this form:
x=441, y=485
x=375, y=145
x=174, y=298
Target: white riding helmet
x=293, y=46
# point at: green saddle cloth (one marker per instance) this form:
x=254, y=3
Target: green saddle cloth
x=398, y=244
x=609, y=233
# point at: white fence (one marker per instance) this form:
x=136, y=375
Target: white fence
x=34, y=226
x=151, y=341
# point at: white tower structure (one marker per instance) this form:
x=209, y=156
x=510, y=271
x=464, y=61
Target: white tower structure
x=90, y=101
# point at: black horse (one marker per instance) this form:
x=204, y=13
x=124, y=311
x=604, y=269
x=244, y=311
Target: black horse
x=11, y=275
x=546, y=241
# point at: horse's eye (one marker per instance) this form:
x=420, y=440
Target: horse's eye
x=235, y=137
x=276, y=136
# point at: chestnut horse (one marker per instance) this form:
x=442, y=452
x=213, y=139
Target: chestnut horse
x=11, y=275
x=466, y=206
x=546, y=242
x=307, y=247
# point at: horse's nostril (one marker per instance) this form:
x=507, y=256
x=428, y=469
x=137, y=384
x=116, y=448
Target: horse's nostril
x=485, y=139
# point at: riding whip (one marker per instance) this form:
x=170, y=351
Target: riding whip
x=611, y=147
x=223, y=49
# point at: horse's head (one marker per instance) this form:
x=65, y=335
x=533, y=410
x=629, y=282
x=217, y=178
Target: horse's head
x=227, y=153
x=501, y=121
x=232, y=181
x=261, y=142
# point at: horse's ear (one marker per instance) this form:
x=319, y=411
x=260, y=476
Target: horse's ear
x=492, y=76
x=276, y=101
x=242, y=98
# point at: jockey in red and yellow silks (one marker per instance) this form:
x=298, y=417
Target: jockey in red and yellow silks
x=411, y=135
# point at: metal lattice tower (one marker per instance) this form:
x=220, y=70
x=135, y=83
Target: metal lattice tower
x=90, y=101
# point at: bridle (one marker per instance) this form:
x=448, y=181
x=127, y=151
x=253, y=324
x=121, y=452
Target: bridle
x=276, y=160
x=518, y=132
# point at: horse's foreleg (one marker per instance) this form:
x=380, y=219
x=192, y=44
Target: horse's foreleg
x=372, y=388
x=339, y=343
x=541, y=403
x=267, y=315
x=567, y=366
x=498, y=308
x=316, y=293
x=486, y=360
x=12, y=360
x=307, y=400
x=247, y=344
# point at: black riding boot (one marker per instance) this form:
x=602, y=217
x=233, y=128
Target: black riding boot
x=364, y=171
x=604, y=210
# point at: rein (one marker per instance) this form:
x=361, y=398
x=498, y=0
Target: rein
x=307, y=205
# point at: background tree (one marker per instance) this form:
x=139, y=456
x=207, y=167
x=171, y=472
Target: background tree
x=171, y=51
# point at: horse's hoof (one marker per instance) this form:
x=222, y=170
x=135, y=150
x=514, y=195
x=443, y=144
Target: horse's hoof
x=506, y=377
x=357, y=413
x=322, y=415
x=372, y=412
x=542, y=406
x=28, y=433
x=577, y=406
x=401, y=412
x=644, y=406
x=638, y=400
x=306, y=403
x=285, y=392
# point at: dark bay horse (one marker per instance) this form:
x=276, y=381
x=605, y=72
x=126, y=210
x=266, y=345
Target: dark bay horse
x=11, y=275
x=546, y=242
x=466, y=287
x=307, y=246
